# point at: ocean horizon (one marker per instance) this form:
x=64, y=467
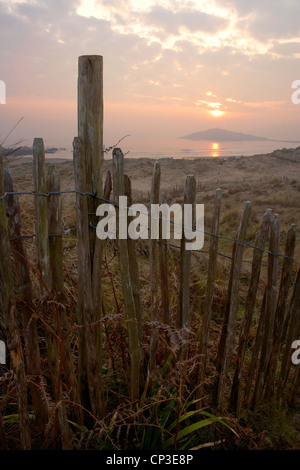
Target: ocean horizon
x=186, y=149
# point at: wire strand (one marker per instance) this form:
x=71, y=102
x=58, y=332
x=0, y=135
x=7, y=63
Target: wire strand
x=100, y=198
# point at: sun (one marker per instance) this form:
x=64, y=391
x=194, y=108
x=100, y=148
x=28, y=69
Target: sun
x=217, y=112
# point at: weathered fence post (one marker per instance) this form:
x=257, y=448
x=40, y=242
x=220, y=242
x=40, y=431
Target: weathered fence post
x=55, y=228
x=135, y=346
x=280, y=313
x=88, y=317
x=256, y=350
x=90, y=132
x=163, y=267
x=50, y=318
x=154, y=274
x=226, y=343
x=133, y=263
x=24, y=289
x=9, y=320
x=295, y=385
x=41, y=215
x=292, y=332
x=212, y=264
x=271, y=295
x=107, y=187
x=183, y=318
x=260, y=240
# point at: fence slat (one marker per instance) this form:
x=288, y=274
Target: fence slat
x=212, y=265
x=295, y=386
x=90, y=131
x=50, y=311
x=260, y=240
x=226, y=343
x=256, y=351
x=163, y=267
x=107, y=186
x=41, y=215
x=183, y=318
x=271, y=296
x=135, y=347
x=154, y=274
x=280, y=313
x=133, y=263
x=55, y=228
x=24, y=289
x=292, y=332
x=88, y=319
x=9, y=321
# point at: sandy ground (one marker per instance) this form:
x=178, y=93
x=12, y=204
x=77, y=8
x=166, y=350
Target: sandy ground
x=216, y=171
x=268, y=181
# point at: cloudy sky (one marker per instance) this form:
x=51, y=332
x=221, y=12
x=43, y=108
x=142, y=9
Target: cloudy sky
x=170, y=67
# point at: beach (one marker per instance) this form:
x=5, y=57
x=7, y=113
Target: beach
x=267, y=180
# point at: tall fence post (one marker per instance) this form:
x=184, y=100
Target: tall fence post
x=292, y=334
x=24, y=290
x=90, y=132
x=212, y=265
x=260, y=241
x=183, y=318
x=9, y=320
x=55, y=228
x=133, y=262
x=280, y=314
x=135, y=346
x=271, y=295
x=90, y=366
x=50, y=318
x=41, y=215
x=154, y=274
x=226, y=343
x=256, y=350
x=163, y=267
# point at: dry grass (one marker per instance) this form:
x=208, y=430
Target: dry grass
x=266, y=182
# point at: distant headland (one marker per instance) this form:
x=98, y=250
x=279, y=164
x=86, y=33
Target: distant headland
x=23, y=151
x=222, y=135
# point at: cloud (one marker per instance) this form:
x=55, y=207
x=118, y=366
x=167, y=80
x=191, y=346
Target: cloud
x=286, y=49
x=166, y=53
x=267, y=19
x=191, y=19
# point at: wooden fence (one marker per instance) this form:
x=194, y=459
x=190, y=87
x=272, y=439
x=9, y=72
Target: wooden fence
x=241, y=374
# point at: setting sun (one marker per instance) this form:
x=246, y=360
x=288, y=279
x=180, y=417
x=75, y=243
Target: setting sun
x=217, y=112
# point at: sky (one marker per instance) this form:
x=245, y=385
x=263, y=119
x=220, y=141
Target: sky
x=171, y=67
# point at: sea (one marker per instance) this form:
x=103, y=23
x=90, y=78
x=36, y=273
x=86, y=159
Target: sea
x=186, y=149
